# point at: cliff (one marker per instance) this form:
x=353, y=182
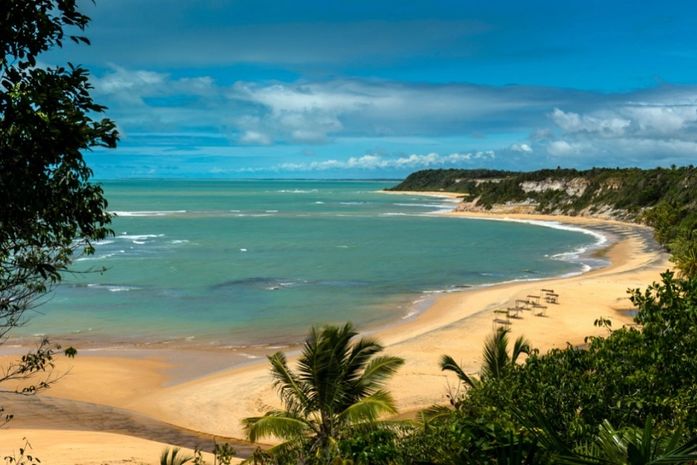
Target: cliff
x=609, y=193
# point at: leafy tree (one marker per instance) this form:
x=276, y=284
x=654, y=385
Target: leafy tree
x=338, y=387
x=50, y=211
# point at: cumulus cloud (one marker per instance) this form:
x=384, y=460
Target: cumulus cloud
x=573, y=122
x=644, y=127
x=315, y=112
x=373, y=161
x=254, y=137
x=641, y=127
x=521, y=148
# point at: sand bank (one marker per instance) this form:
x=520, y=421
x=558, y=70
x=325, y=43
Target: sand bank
x=455, y=324
x=59, y=447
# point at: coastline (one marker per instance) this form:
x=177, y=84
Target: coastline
x=455, y=323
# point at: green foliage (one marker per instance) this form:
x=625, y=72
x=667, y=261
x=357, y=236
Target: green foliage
x=665, y=199
x=558, y=407
x=50, y=210
x=497, y=359
x=224, y=453
x=371, y=447
x=629, y=189
x=173, y=457
x=624, y=446
x=337, y=388
x=468, y=437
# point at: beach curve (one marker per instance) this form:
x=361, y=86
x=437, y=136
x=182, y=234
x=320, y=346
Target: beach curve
x=455, y=324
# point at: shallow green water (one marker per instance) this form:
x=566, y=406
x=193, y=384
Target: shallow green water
x=240, y=262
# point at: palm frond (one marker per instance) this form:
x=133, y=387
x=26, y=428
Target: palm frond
x=520, y=346
x=277, y=423
x=496, y=356
x=369, y=408
x=172, y=457
x=321, y=365
x=290, y=452
x=359, y=355
x=433, y=414
x=290, y=388
x=379, y=370
x=447, y=363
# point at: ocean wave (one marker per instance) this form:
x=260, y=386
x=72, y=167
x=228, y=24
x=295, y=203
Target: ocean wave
x=99, y=257
x=112, y=287
x=424, y=205
x=576, y=255
x=139, y=237
x=148, y=212
x=600, y=238
x=297, y=191
x=352, y=203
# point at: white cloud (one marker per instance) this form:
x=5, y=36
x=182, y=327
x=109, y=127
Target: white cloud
x=315, y=112
x=255, y=138
x=639, y=127
x=521, y=148
x=373, y=161
x=561, y=148
x=573, y=122
x=663, y=119
x=120, y=80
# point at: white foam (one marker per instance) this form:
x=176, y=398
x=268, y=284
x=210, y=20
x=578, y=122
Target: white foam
x=410, y=314
x=112, y=288
x=297, y=191
x=425, y=205
x=99, y=257
x=148, y=212
x=601, y=238
x=139, y=237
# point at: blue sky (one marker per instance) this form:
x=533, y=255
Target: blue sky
x=364, y=89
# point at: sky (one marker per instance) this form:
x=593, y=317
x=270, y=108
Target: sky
x=379, y=89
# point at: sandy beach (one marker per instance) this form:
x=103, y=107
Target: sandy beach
x=456, y=324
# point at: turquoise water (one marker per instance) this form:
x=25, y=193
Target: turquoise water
x=231, y=263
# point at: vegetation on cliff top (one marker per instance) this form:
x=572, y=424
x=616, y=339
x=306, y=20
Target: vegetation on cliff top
x=663, y=198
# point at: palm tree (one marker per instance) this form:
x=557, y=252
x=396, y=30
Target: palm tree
x=338, y=385
x=496, y=358
x=172, y=457
x=627, y=446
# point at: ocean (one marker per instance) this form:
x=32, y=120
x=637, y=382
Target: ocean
x=238, y=263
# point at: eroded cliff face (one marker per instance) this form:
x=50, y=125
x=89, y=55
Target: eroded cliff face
x=570, y=190
x=574, y=187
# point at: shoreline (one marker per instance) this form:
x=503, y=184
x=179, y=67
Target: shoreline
x=412, y=304
x=454, y=323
